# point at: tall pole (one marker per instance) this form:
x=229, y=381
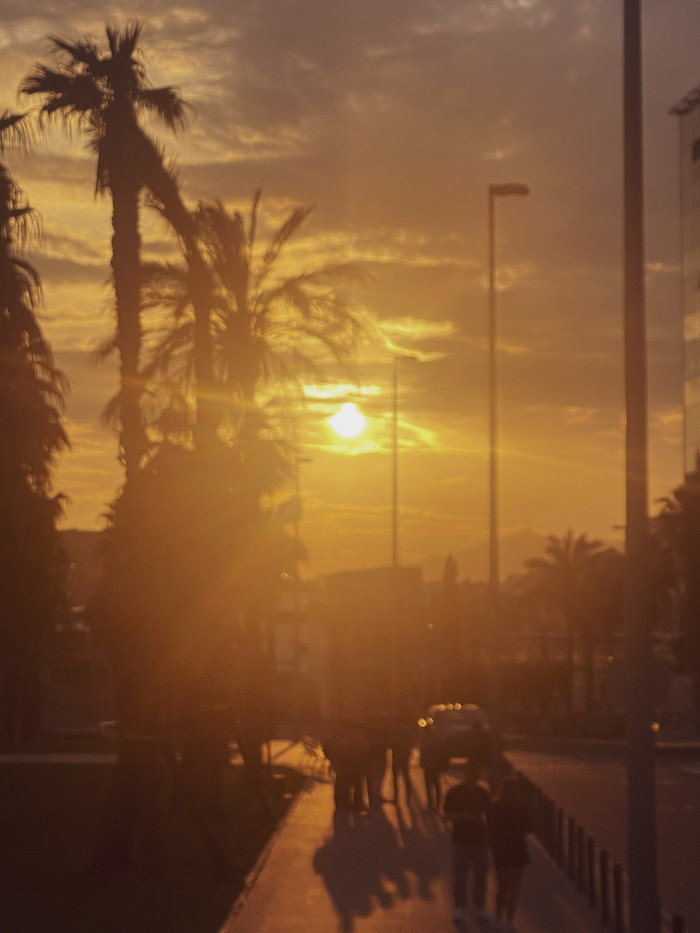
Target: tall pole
x=494, y=191
x=395, y=646
x=395, y=472
x=492, y=684
x=641, y=790
x=494, y=570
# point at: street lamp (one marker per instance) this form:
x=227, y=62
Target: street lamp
x=395, y=463
x=395, y=472
x=396, y=666
x=512, y=189
x=504, y=190
x=641, y=788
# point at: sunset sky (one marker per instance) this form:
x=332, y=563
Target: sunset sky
x=393, y=116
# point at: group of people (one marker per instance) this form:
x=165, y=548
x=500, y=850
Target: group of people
x=485, y=829
x=435, y=758
x=358, y=755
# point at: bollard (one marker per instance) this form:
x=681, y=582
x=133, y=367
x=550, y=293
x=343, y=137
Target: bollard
x=539, y=807
x=590, y=848
x=605, y=886
x=571, y=825
x=550, y=811
x=619, y=898
x=581, y=859
x=561, y=850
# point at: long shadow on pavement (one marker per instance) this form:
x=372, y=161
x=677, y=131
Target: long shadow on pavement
x=374, y=860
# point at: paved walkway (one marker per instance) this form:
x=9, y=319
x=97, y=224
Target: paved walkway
x=381, y=873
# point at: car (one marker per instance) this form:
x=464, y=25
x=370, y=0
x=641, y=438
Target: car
x=461, y=729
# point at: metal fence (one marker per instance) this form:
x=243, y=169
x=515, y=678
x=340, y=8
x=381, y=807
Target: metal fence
x=603, y=883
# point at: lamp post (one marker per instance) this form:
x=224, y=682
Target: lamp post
x=641, y=789
x=504, y=190
x=297, y=582
x=396, y=667
x=395, y=472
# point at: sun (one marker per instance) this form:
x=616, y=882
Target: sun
x=348, y=422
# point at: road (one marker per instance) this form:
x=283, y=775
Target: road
x=591, y=787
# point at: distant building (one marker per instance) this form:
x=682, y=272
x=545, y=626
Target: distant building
x=376, y=625
x=688, y=111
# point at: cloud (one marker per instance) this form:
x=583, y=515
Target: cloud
x=59, y=271
x=393, y=118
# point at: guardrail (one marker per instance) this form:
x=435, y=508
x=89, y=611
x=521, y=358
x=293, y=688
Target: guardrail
x=605, y=885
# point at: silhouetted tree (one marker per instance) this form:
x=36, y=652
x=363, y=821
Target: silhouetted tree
x=104, y=93
x=265, y=320
x=32, y=595
x=582, y=579
x=678, y=568
x=263, y=324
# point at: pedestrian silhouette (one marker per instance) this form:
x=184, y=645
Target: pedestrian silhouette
x=466, y=806
x=479, y=747
x=508, y=826
x=402, y=741
x=433, y=761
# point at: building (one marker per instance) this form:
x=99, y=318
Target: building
x=376, y=626
x=688, y=111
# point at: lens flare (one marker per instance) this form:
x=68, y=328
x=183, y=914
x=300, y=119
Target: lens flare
x=348, y=422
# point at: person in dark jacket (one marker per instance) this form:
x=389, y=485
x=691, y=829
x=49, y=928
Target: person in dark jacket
x=402, y=741
x=433, y=761
x=345, y=748
x=508, y=826
x=466, y=806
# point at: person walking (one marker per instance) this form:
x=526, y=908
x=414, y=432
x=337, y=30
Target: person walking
x=433, y=762
x=479, y=748
x=466, y=805
x=345, y=748
x=508, y=825
x=402, y=741
x=377, y=744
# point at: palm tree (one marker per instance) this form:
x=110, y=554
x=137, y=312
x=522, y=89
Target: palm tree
x=32, y=432
x=104, y=93
x=676, y=570
x=571, y=578
x=264, y=321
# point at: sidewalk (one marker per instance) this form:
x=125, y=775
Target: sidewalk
x=385, y=872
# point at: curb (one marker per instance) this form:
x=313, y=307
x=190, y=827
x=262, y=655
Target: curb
x=254, y=873
x=663, y=748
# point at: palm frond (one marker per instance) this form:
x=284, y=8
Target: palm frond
x=167, y=104
x=110, y=414
x=122, y=43
x=252, y=226
x=104, y=349
x=283, y=234
x=15, y=131
x=66, y=93
x=83, y=51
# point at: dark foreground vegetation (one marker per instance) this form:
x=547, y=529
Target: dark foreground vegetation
x=51, y=813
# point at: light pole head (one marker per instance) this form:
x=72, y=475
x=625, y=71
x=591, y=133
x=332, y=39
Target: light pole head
x=511, y=189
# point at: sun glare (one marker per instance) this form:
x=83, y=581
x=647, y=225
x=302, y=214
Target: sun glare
x=348, y=422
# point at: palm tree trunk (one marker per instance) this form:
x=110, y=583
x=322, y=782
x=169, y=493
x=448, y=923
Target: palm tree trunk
x=131, y=797
x=126, y=274
x=162, y=184
x=201, y=291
